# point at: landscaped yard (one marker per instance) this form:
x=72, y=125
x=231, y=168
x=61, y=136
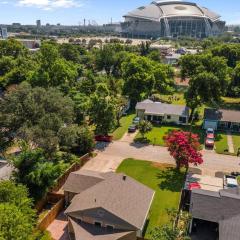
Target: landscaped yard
x=125, y=123
x=156, y=136
x=166, y=182
x=236, y=142
x=221, y=143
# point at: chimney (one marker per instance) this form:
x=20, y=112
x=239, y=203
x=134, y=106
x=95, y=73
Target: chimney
x=124, y=178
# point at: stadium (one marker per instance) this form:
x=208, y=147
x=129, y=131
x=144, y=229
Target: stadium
x=172, y=19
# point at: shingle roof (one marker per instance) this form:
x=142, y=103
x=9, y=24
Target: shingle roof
x=82, y=180
x=222, y=115
x=221, y=207
x=127, y=199
x=85, y=231
x=162, y=108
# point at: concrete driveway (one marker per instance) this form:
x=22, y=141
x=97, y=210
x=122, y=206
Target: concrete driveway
x=109, y=158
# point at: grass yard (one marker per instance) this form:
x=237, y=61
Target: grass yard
x=156, y=136
x=221, y=143
x=162, y=178
x=236, y=142
x=125, y=123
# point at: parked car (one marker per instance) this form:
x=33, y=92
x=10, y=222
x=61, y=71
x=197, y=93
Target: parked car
x=136, y=120
x=103, y=138
x=132, y=129
x=209, y=142
x=210, y=131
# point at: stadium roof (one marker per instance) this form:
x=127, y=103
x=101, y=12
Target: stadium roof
x=176, y=8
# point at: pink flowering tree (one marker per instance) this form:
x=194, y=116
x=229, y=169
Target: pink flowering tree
x=185, y=148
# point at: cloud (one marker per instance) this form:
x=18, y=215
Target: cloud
x=49, y=4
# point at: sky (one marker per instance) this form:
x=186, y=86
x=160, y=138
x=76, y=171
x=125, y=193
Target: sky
x=72, y=12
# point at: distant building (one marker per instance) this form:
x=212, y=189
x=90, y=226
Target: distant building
x=3, y=33
x=172, y=19
x=38, y=22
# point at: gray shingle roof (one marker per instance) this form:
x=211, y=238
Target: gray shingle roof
x=127, y=199
x=222, y=207
x=85, y=231
x=82, y=180
x=222, y=115
x=162, y=108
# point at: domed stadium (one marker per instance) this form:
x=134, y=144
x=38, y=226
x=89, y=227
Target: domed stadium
x=172, y=19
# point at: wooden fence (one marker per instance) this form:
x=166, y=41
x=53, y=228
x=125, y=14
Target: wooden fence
x=51, y=215
x=75, y=167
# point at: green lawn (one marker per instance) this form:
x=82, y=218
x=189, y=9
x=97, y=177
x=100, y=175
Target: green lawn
x=156, y=136
x=166, y=182
x=236, y=142
x=125, y=123
x=221, y=143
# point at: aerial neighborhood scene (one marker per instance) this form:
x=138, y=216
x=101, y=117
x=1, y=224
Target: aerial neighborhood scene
x=119, y=120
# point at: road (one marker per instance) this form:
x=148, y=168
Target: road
x=109, y=157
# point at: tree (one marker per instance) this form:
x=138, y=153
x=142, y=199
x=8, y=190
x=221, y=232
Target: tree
x=102, y=110
x=12, y=48
x=144, y=127
x=77, y=139
x=17, y=218
x=139, y=80
x=35, y=115
x=184, y=147
x=35, y=171
x=171, y=231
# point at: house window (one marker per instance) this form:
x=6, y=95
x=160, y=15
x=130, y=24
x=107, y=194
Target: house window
x=110, y=227
x=182, y=119
x=98, y=224
x=168, y=117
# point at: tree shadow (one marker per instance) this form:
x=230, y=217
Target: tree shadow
x=171, y=179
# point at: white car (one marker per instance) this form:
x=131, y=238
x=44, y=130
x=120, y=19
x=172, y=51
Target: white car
x=136, y=120
x=210, y=131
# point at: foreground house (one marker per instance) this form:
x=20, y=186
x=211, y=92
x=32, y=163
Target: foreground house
x=158, y=112
x=106, y=206
x=220, y=119
x=214, y=205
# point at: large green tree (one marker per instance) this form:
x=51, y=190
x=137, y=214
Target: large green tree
x=102, y=110
x=139, y=79
x=17, y=218
x=35, y=115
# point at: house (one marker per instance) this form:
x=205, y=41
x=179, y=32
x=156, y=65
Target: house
x=171, y=59
x=221, y=208
x=220, y=119
x=107, y=206
x=214, y=207
x=158, y=112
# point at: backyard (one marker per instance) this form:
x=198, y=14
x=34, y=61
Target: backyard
x=156, y=135
x=125, y=122
x=162, y=178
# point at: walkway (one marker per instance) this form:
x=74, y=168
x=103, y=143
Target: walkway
x=109, y=158
x=58, y=228
x=230, y=142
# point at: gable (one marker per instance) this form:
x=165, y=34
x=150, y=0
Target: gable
x=102, y=215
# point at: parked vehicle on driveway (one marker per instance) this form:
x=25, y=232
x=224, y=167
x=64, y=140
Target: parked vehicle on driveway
x=136, y=120
x=210, y=131
x=132, y=129
x=210, y=141
x=103, y=138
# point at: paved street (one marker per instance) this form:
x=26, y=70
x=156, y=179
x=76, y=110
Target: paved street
x=109, y=158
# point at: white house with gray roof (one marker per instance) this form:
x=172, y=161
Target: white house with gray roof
x=106, y=206
x=158, y=112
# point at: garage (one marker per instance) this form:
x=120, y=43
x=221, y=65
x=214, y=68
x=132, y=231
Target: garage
x=210, y=124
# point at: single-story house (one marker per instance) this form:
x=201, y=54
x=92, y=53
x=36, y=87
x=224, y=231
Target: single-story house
x=171, y=59
x=217, y=207
x=106, y=206
x=222, y=119
x=158, y=112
